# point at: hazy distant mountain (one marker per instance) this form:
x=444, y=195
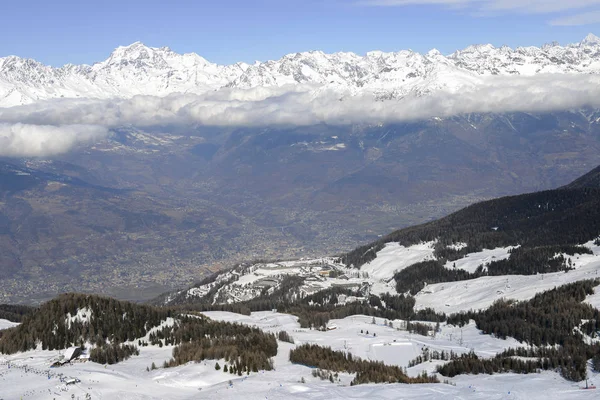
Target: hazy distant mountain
x=138, y=69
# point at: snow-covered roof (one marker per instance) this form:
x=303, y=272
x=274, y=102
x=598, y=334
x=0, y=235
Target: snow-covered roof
x=71, y=353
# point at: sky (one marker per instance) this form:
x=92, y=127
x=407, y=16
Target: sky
x=226, y=31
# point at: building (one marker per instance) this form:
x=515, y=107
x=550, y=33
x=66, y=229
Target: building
x=70, y=354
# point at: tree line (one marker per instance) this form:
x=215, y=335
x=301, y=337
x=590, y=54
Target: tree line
x=551, y=321
x=366, y=371
x=197, y=338
x=14, y=313
x=55, y=324
x=109, y=324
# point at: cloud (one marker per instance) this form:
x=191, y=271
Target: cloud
x=52, y=127
x=587, y=18
x=27, y=140
x=494, y=7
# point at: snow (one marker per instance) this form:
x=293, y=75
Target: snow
x=83, y=315
x=141, y=70
x=29, y=375
x=5, y=324
x=480, y=293
x=392, y=345
x=164, y=324
x=130, y=380
x=474, y=260
x=594, y=299
x=394, y=257
x=247, y=281
x=457, y=246
x=69, y=353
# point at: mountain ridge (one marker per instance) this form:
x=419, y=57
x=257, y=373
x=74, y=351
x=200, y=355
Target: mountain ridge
x=566, y=215
x=141, y=70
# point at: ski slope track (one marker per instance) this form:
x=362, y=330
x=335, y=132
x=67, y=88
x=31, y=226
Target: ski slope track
x=480, y=293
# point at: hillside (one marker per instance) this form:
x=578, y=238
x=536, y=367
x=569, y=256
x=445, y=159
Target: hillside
x=564, y=216
x=219, y=196
x=112, y=330
x=546, y=233
x=589, y=180
x=306, y=155
x=502, y=286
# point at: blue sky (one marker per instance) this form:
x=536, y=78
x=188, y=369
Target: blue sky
x=68, y=31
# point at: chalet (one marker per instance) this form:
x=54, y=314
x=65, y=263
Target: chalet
x=70, y=354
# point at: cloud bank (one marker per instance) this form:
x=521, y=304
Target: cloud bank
x=52, y=127
x=27, y=140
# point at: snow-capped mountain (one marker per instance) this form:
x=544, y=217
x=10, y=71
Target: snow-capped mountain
x=138, y=69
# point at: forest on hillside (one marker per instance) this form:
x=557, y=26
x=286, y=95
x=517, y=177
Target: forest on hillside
x=14, y=313
x=112, y=326
x=548, y=218
x=550, y=324
x=521, y=261
x=325, y=358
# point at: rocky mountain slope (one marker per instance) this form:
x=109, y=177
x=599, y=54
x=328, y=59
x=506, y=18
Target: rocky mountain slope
x=138, y=69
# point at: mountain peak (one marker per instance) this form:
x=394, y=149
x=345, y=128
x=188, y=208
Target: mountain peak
x=135, y=49
x=433, y=53
x=479, y=48
x=591, y=39
x=135, y=46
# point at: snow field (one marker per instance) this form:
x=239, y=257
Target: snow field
x=395, y=257
x=130, y=380
x=480, y=293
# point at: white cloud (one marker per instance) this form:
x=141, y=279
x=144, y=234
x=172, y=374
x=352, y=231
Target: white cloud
x=28, y=140
x=53, y=126
x=492, y=7
x=587, y=18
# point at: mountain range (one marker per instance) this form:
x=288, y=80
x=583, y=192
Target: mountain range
x=141, y=70
x=174, y=200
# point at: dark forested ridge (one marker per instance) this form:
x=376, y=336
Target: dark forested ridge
x=589, y=180
x=14, y=313
x=565, y=216
x=101, y=319
x=111, y=326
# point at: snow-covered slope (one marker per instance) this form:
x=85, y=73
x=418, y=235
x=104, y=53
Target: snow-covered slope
x=5, y=324
x=376, y=277
x=394, y=257
x=30, y=376
x=138, y=69
x=480, y=293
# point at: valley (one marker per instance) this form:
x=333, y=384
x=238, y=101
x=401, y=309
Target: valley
x=171, y=213
x=510, y=291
